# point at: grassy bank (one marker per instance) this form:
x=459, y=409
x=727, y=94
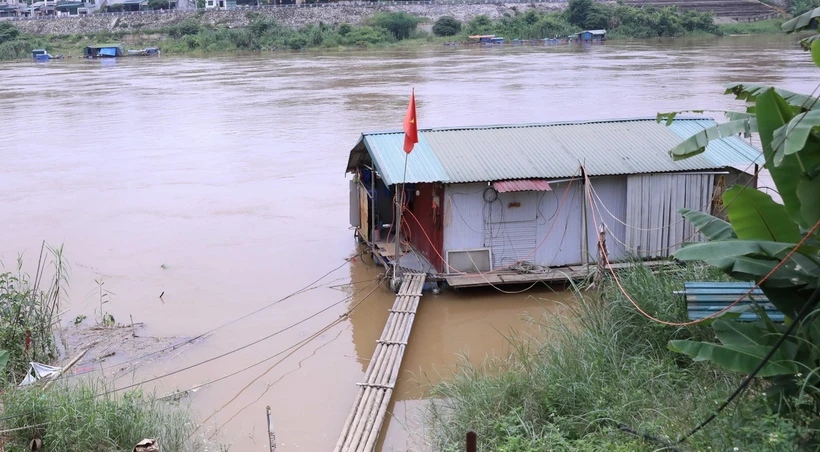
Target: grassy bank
x=76, y=418
x=388, y=29
x=73, y=414
x=572, y=387
x=771, y=27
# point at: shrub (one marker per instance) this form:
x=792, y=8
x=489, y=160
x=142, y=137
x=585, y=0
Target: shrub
x=296, y=42
x=446, y=26
x=344, y=29
x=480, y=24
x=365, y=35
x=400, y=24
x=185, y=28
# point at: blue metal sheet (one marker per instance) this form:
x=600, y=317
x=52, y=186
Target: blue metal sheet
x=387, y=150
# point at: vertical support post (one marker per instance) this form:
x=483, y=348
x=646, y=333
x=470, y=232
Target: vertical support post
x=603, y=257
x=397, y=252
x=472, y=442
x=271, y=433
x=372, y=233
x=584, y=227
x=756, y=176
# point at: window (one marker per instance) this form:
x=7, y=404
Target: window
x=210, y=2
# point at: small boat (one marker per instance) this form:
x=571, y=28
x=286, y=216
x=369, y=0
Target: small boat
x=42, y=55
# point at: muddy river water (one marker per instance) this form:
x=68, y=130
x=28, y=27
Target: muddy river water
x=219, y=182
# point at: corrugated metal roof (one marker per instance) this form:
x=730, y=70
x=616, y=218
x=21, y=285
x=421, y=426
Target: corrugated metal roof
x=505, y=186
x=529, y=151
x=720, y=152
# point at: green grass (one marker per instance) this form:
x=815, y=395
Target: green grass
x=771, y=26
x=75, y=420
x=603, y=365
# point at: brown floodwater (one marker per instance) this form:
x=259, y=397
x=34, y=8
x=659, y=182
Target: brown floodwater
x=219, y=182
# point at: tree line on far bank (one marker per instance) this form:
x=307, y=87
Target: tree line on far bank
x=264, y=33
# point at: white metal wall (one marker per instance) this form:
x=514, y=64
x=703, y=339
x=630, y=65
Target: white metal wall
x=639, y=212
x=463, y=216
x=559, y=226
x=609, y=197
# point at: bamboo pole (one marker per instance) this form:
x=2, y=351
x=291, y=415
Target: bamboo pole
x=363, y=425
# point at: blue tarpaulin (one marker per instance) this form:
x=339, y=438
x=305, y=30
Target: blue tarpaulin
x=108, y=51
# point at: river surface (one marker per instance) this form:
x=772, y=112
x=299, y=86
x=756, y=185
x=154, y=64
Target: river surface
x=220, y=182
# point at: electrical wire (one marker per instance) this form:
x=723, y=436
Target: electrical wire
x=195, y=365
x=172, y=347
x=293, y=349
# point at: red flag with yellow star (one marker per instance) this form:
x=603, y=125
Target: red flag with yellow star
x=411, y=131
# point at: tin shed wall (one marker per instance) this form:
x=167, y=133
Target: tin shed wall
x=426, y=230
x=609, y=195
x=559, y=225
x=463, y=217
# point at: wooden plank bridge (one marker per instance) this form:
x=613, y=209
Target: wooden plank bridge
x=360, y=432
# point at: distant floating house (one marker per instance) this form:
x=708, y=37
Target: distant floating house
x=103, y=51
x=509, y=204
x=591, y=35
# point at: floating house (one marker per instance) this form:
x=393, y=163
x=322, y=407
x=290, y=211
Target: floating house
x=591, y=36
x=103, y=51
x=520, y=203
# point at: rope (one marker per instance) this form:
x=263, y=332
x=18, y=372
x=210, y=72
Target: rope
x=718, y=313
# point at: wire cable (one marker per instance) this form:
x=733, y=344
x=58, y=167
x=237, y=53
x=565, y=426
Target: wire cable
x=195, y=365
x=172, y=347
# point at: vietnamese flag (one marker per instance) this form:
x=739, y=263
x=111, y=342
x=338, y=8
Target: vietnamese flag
x=411, y=131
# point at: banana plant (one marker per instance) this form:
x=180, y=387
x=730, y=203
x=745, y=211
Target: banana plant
x=761, y=233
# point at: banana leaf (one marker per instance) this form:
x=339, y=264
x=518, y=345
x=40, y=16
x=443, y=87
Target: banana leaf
x=740, y=358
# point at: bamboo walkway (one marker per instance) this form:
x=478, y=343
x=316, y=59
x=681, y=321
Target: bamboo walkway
x=361, y=429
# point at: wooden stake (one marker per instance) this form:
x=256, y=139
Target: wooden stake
x=271, y=432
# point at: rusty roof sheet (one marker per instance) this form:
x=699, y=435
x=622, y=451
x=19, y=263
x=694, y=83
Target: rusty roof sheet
x=544, y=151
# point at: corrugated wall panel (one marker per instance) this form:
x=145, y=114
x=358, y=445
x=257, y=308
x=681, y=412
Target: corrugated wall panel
x=559, y=228
x=463, y=216
x=656, y=229
x=609, y=195
x=511, y=242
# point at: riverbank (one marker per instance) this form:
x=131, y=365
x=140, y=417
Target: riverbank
x=257, y=31
x=602, y=376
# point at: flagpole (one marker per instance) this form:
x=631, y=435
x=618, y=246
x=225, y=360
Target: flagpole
x=399, y=209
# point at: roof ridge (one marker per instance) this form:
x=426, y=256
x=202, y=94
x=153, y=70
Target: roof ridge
x=540, y=124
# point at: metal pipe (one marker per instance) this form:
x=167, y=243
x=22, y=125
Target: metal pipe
x=371, y=235
x=584, y=227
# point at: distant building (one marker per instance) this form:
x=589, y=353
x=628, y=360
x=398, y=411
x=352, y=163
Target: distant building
x=591, y=35
x=220, y=4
